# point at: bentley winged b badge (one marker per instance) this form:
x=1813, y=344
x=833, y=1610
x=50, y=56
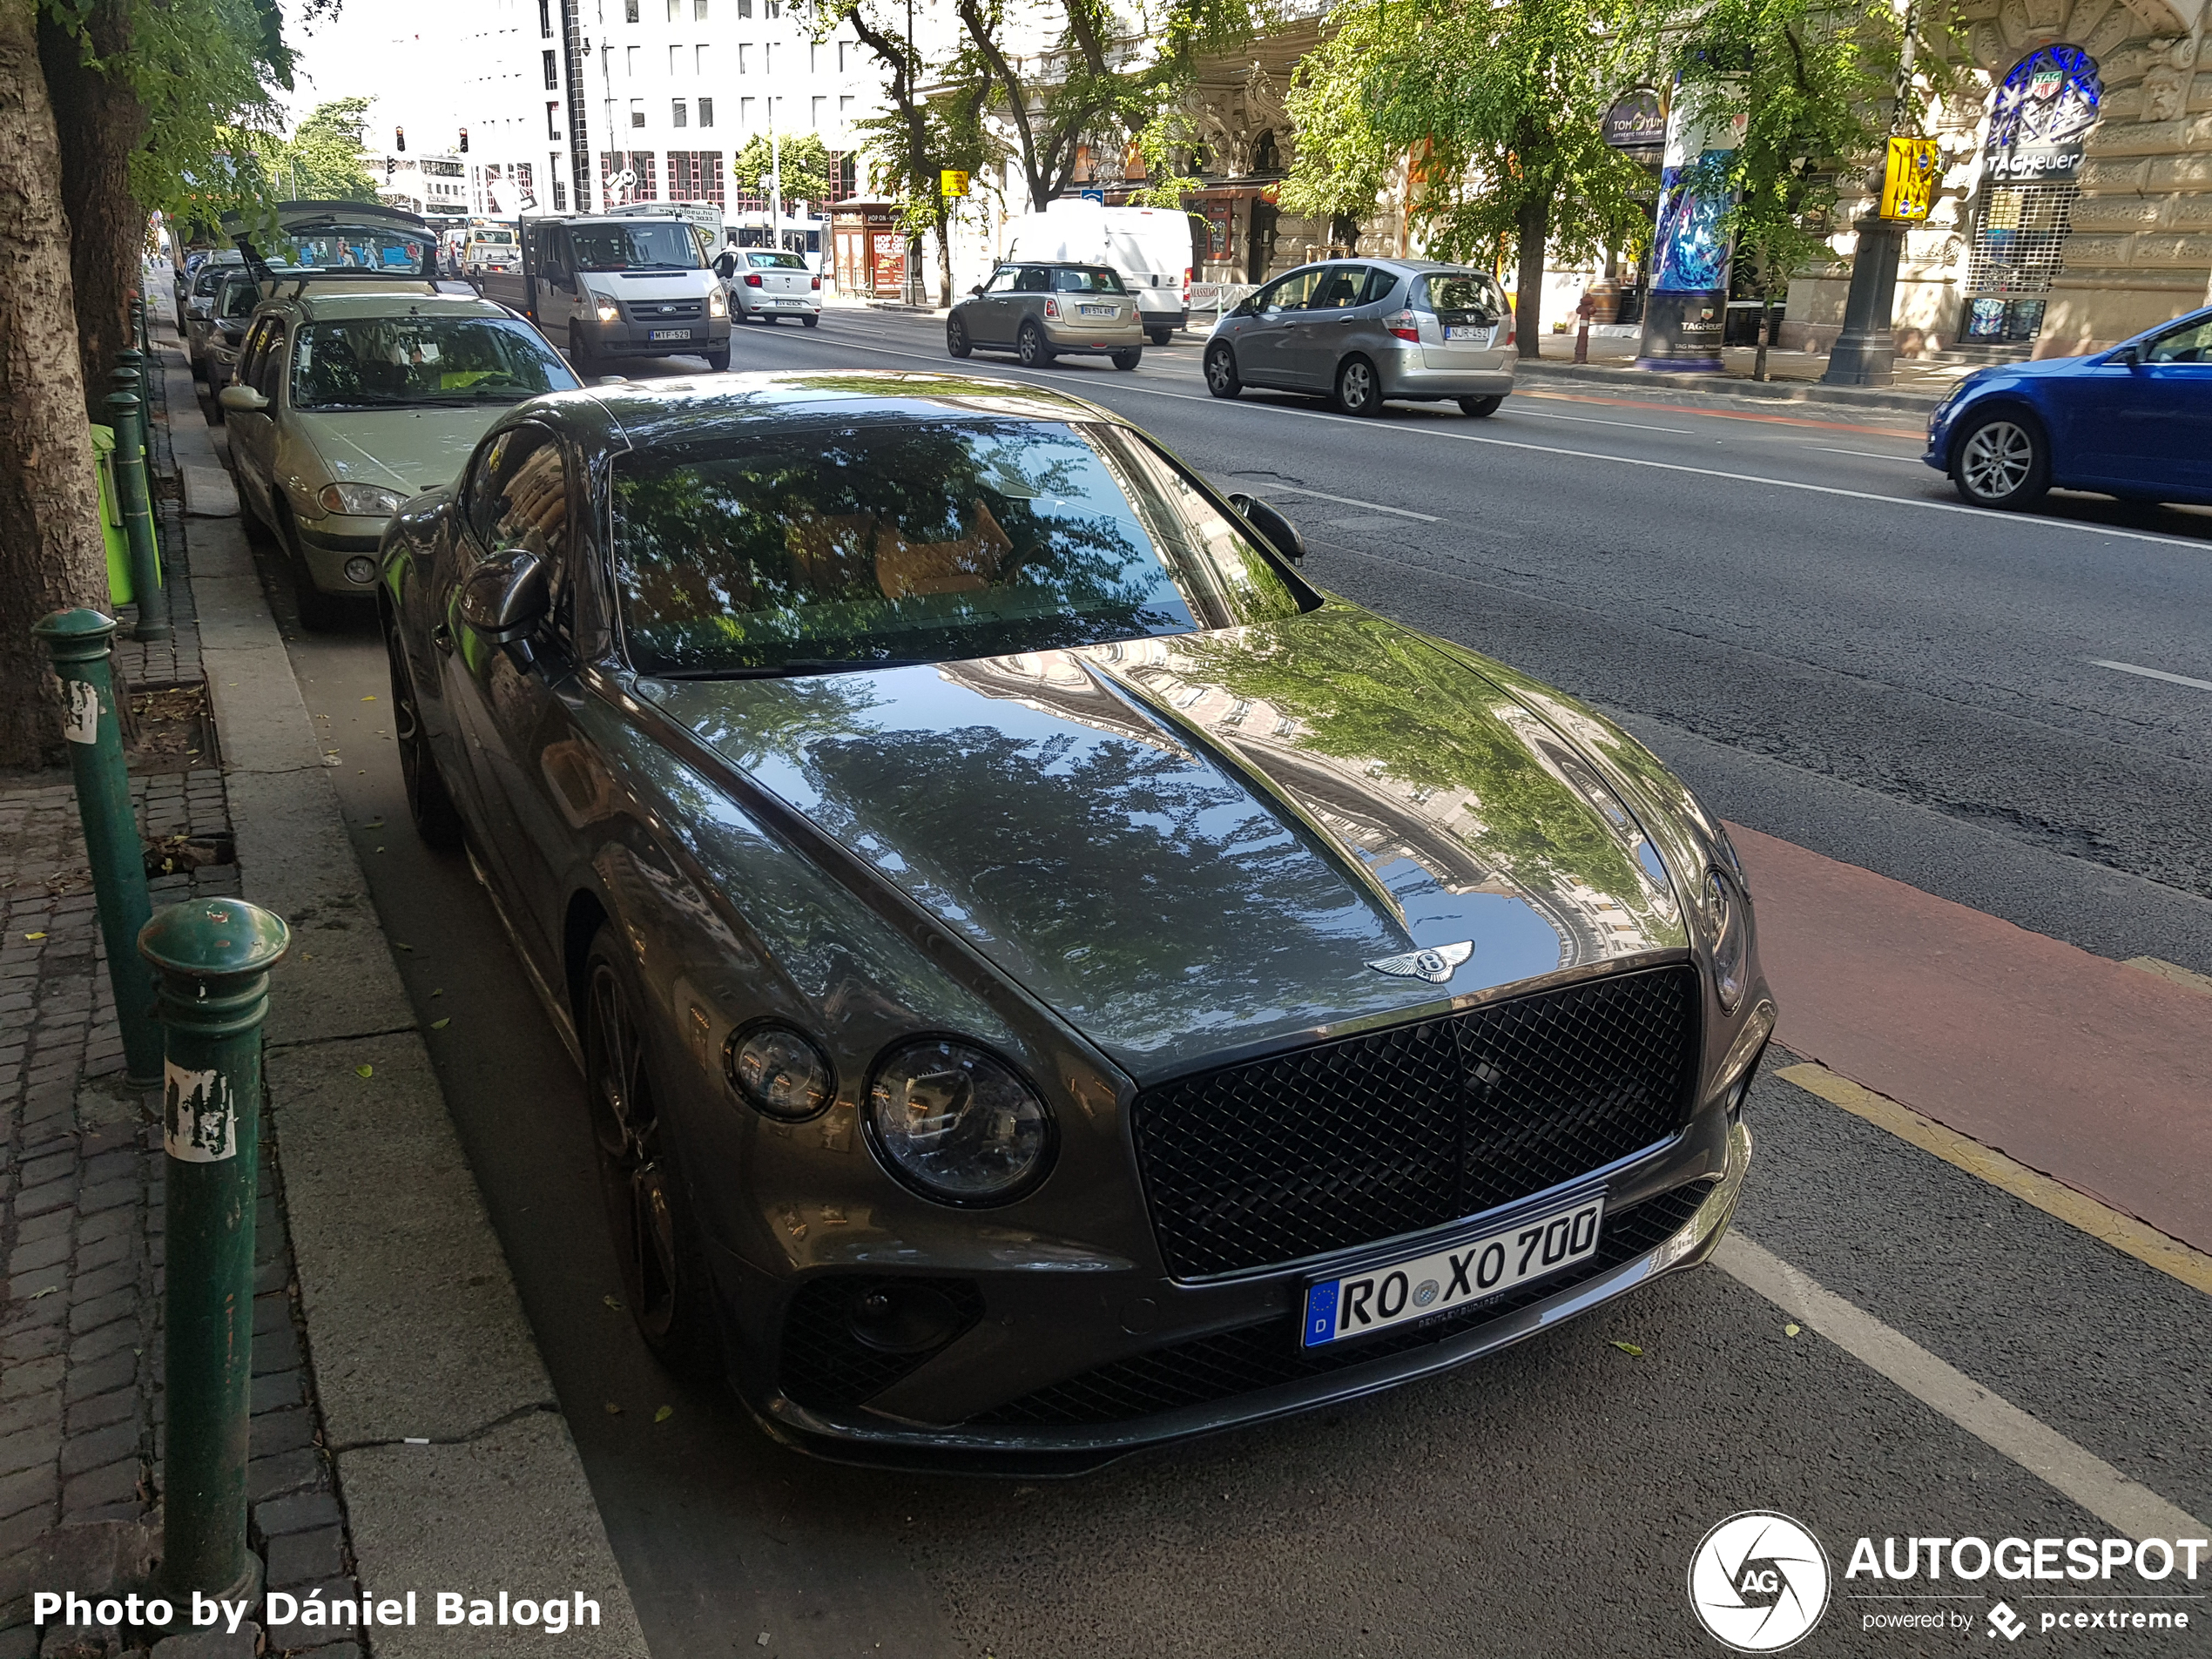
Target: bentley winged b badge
x=1435, y=964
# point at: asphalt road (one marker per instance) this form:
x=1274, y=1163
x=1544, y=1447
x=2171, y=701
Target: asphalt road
x=1862, y=671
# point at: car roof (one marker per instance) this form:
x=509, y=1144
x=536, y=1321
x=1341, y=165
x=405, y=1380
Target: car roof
x=648, y=413
x=397, y=300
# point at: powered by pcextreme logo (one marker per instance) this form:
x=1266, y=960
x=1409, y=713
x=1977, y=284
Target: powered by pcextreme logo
x=1758, y=1582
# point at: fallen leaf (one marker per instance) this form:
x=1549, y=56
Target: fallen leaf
x=1629, y=1349
x=34, y=935
x=613, y=1303
x=48, y=1291
x=374, y=823
x=371, y=698
x=760, y=1640
x=439, y=1025
x=663, y=1413
x=364, y=1071
x=379, y=849
x=438, y=993
x=1791, y=1330
x=613, y=1410
x=402, y=945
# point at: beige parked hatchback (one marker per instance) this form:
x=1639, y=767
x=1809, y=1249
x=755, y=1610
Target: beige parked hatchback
x=1041, y=311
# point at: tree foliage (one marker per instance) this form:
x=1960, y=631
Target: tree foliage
x=802, y=158
x=321, y=161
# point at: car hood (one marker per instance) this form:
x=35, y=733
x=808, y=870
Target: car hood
x=1194, y=845
x=408, y=450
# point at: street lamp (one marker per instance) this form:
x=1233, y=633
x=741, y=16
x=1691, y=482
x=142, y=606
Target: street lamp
x=1865, y=353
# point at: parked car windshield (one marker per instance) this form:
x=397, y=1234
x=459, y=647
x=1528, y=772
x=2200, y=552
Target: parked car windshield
x=1098, y=279
x=376, y=362
x=634, y=247
x=928, y=541
x=775, y=261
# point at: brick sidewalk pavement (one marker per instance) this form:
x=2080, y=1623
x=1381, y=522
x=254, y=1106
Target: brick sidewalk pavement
x=81, y=1219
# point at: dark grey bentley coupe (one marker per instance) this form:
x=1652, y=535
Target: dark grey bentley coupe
x=1049, y=979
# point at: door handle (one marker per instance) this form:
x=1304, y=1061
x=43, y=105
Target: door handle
x=441, y=637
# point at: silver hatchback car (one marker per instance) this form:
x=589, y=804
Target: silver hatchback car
x=1364, y=331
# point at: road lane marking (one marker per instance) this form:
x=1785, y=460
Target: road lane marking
x=2151, y=673
x=2012, y=521
x=1592, y=419
x=1353, y=501
x=2054, y=1198
x=1870, y=455
x=2135, y=1509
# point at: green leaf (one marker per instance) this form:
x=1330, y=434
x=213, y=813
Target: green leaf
x=1629, y=1349
x=663, y=1413
x=1791, y=1330
x=439, y=1025
x=364, y=1071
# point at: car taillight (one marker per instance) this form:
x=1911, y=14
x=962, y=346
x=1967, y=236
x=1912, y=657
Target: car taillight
x=1405, y=325
x=753, y=279
x=1051, y=306
x=1512, y=324
x=1186, y=287
x=818, y=282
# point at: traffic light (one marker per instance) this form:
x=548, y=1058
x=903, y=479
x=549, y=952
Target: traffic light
x=390, y=166
x=464, y=141
x=401, y=134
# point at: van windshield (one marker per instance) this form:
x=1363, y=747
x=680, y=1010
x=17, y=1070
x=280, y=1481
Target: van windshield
x=650, y=247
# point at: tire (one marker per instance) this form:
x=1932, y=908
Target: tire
x=1159, y=336
x=582, y=357
x=813, y=320
x=1128, y=360
x=1029, y=347
x=319, y=613
x=2001, y=460
x=957, y=343
x=1359, y=390
x=437, y=821
x=717, y=361
x=657, y=1246
x=1222, y=378
x=1480, y=408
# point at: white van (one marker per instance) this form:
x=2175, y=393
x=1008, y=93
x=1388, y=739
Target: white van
x=606, y=286
x=1150, y=248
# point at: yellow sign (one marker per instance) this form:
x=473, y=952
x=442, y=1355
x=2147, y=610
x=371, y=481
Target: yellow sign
x=951, y=182
x=1908, y=179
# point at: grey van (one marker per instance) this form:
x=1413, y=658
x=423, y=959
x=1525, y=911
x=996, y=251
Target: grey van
x=1363, y=331
x=619, y=287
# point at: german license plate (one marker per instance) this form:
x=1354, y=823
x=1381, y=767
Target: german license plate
x=1469, y=333
x=670, y=333
x=1361, y=1303
x=1096, y=311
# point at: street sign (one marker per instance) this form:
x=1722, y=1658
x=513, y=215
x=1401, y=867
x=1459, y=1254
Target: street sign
x=951, y=181
x=1909, y=178
x=1098, y=196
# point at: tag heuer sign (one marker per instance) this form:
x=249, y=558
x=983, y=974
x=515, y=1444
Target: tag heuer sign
x=1637, y=124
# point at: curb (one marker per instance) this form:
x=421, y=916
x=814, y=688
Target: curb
x=1719, y=387
x=455, y=1466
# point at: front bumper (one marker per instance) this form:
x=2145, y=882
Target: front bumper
x=326, y=544
x=635, y=339
x=1668, y=1208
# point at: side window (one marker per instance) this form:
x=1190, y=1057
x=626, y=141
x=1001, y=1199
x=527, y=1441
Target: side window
x=267, y=375
x=1002, y=279
x=553, y=256
x=1378, y=286
x=1033, y=279
x=518, y=494
x=250, y=354
x=1339, y=288
x=2192, y=344
x=1291, y=293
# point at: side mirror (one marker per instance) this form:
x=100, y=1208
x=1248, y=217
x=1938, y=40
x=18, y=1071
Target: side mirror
x=978, y=288
x=2128, y=357
x=1275, y=530
x=506, y=598
x=241, y=400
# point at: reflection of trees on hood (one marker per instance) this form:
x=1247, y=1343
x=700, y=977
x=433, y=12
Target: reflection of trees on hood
x=1366, y=692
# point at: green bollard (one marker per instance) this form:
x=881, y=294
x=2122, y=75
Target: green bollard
x=79, y=641
x=137, y=504
x=124, y=380
x=213, y=957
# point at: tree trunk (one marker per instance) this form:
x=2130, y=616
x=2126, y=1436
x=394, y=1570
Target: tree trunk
x=99, y=122
x=944, y=261
x=1528, y=303
x=1766, y=331
x=52, y=553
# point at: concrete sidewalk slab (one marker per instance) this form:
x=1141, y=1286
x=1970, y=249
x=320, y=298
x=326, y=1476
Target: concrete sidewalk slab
x=208, y=493
x=2087, y=1070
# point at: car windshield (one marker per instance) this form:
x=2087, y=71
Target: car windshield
x=933, y=541
x=634, y=247
x=1098, y=279
x=1460, y=291
x=377, y=363
x=775, y=261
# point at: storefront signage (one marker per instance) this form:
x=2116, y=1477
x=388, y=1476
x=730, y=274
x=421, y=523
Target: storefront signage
x=1636, y=124
x=2040, y=119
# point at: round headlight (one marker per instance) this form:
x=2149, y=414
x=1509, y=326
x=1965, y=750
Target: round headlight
x=1727, y=916
x=779, y=1071
x=956, y=1123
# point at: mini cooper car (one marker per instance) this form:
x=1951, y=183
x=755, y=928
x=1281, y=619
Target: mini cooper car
x=352, y=395
x=1363, y=332
x=1049, y=979
x=1041, y=311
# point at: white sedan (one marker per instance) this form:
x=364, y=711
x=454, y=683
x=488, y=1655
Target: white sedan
x=768, y=285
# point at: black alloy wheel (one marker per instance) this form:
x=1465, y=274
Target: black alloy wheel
x=717, y=361
x=657, y=1252
x=1480, y=408
x=1128, y=360
x=1029, y=346
x=437, y=821
x=956, y=341
x=581, y=356
x=1222, y=378
x=1359, y=392
x=813, y=320
x=2001, y=460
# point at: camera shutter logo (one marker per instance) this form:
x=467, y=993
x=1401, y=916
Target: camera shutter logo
x=1758, y=1582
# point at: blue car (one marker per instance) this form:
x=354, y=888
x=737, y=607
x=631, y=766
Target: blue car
x=2134, y=422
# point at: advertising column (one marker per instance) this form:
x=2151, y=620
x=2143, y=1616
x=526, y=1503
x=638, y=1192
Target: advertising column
x=1683, y=318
